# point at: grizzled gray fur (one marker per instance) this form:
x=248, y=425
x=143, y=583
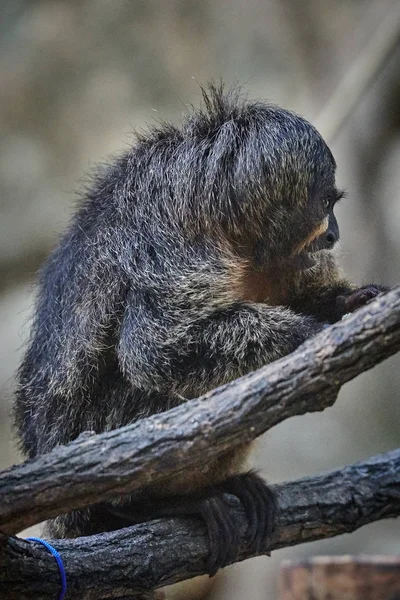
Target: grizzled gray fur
x=201, y=254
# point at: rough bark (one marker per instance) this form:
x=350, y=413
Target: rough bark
x=156, y=448
x=165, y=551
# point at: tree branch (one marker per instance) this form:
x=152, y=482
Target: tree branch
x=161, y=552
x=157, y=448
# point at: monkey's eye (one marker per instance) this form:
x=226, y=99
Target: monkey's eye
x=331, y=199
x=326, y=203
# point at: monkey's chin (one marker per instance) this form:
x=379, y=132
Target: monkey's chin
x=304, y=261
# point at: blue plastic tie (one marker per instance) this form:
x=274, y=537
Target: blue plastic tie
x=59, y=561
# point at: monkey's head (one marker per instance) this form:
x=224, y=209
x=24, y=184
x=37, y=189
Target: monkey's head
x=257, y=175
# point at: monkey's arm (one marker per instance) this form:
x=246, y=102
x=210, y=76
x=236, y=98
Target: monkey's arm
x=324, y=294
x=182, y=351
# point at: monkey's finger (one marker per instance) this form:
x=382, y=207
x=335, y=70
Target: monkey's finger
x=227, y=539
x=231, y=500
x=219, y=529
x=259, y=504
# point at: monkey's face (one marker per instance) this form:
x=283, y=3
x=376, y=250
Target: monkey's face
x=325, y=232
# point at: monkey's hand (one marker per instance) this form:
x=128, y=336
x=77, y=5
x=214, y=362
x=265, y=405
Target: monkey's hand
x=214, y=505
x=355, y=299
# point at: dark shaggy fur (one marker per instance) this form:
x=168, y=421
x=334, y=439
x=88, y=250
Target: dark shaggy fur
x=200, y=255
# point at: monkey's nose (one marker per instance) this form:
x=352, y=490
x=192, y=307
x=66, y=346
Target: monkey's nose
x=331, y=239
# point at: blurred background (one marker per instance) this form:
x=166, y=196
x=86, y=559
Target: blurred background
x=78, y=76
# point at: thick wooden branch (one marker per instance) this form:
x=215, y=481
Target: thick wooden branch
x=157, y=553
x=101, y=467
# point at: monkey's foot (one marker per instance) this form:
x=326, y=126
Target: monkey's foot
x=214, y=504
x=259, y=504
x=222, y=531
